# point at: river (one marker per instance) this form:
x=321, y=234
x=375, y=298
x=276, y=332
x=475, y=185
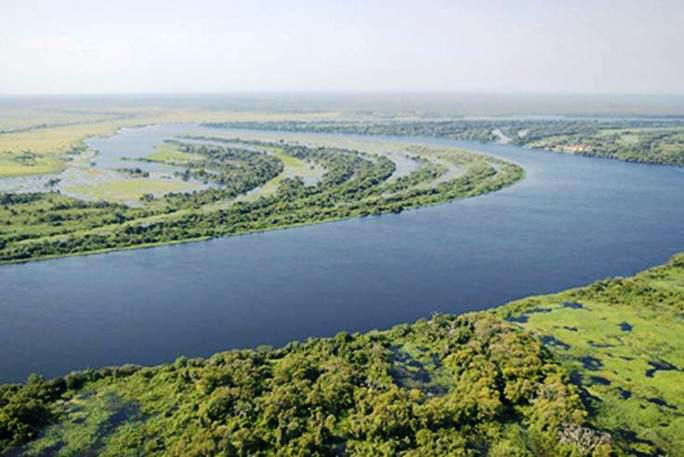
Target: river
x=571, y=221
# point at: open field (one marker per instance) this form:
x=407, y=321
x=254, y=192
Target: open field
x=169, y=153
x=47, y=147
x=50, y=135
x=12, y=165
x=130, y=190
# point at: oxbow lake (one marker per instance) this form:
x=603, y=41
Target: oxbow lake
x=572, y=220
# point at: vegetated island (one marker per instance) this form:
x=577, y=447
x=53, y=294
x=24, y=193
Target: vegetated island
x=643, y=140
x=594, y=371
x=251, y=185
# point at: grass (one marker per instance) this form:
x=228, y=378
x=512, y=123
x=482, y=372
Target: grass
x=168, y=153
x=53, y=140
x=293, y=167
x=12, y=166
x=50, y=135
x=47, y=146
x=613, y=342
x=87, y=420
x=128, y=190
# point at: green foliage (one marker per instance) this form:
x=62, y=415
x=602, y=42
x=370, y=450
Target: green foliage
x=634, y=140
x=569, y=381
x=328, y=397
x=354, y=184
x=621, y=340
x=24, y=410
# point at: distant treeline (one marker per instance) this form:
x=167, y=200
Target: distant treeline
x=648, y=140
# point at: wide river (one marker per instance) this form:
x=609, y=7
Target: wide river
x=571, y=221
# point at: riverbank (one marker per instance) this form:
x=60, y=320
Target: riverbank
x=571, y=221
x=357, y=183
x=428, y=367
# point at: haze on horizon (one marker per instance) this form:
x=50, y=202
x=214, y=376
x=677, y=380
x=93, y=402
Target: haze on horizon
x=170, y=46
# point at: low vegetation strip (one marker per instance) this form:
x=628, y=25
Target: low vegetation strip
x=580, y=373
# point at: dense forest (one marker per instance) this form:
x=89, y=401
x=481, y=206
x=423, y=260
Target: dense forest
x=514, y=381
x=447, y=386
x=657, y=141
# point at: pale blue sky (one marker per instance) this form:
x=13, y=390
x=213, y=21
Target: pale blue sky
x=89, y=46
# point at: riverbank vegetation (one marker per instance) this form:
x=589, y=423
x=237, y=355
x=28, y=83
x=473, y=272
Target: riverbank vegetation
x=352, y=183
x=446, y=386
x=621, y=341
x=656, y=141
x=595, y=371
x=38, y=141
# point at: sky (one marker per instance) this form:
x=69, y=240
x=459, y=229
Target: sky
x=460, y=46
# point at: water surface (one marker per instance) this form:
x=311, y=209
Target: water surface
x=571, y=221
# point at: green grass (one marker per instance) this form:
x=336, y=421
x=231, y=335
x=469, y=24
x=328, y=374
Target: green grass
x=86, y=418
x=12, y=166
x=128, y=190
x=608, y=345
x=169, y=153
x=292, y=167
x=51, y=134
x=49, y=146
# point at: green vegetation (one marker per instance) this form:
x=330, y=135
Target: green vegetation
x=51, y=137
x=134, y=172
x=595, y=371
x=27, y=163
x=353, y=183
x=170, y=153
x=621, y=340
x=31, y=216
x=293, y=168
x=129, y=190
x=454, y=129
x=657, y=141
x=447, y=386
x=647, y=145
x=46, y=149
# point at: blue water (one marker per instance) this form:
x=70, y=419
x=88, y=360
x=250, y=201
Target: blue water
x=121, y=150
x=571, y=221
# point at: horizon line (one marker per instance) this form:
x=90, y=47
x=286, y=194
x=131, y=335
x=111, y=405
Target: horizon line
x=346, y=92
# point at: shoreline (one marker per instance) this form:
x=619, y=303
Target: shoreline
x=252, y=232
